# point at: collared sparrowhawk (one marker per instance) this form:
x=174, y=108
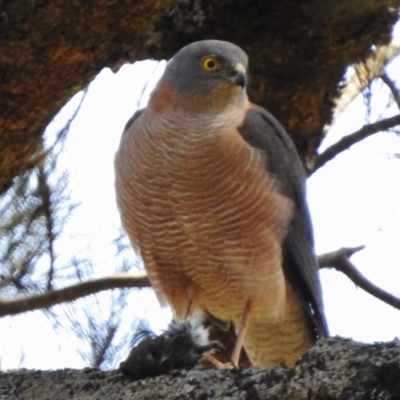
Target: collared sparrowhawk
x=211, y=192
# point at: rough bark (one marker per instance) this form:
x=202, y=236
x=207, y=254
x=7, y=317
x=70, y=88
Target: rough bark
x=299, y=51
x=335, y=368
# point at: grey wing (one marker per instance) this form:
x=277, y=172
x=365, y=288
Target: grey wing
x=262, y=131
x=132, y=119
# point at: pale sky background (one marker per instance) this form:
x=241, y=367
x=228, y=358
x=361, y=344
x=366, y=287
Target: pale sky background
x=354, y=200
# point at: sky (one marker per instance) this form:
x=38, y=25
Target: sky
x=354, y=200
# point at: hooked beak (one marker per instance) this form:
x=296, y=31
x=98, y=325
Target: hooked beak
x=239, y=76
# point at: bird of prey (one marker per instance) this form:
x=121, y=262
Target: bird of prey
x=211, y=192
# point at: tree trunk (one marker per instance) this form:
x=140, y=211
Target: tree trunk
x=299, y=51
x=334, y=369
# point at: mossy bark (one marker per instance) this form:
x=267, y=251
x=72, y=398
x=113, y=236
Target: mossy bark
x=299, y=51
x=335, y=369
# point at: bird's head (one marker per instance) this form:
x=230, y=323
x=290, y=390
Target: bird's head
x=209, y=75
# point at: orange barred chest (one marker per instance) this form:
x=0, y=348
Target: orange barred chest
x=206, y=218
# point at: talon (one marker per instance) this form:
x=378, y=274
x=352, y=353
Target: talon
x=210, y=358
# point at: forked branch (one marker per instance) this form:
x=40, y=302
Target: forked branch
x=340, y=260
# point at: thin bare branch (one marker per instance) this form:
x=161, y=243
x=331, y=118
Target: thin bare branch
x=348, y=141
x=39, y=157
x=328, y=260
x=339, y=260
x=47, y=206
x=393, y=88
x=73, y=292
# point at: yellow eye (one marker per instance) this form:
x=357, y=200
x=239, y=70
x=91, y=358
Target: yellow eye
x=210, y=64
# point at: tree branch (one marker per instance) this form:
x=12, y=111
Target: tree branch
x=329, y=260
x=349, y=140
x=70, y=293
x=393, y=88
x=339, y=260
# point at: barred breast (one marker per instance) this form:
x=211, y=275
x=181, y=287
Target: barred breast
x=208, y=221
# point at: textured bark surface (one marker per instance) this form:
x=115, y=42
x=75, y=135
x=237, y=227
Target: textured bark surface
x=298, y=50
x=335, y=368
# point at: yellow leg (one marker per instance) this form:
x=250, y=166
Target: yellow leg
x=241, y=335
x=189, y=309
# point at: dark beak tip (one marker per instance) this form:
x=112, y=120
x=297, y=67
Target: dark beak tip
x=240, y=79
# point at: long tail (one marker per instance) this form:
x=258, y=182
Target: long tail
x=273, y=342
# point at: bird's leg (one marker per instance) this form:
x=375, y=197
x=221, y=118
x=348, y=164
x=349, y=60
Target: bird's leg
x=241, y=335
x=189, y=308
x=209, y=357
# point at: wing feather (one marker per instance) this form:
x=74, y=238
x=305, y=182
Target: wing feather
x=263, y=132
